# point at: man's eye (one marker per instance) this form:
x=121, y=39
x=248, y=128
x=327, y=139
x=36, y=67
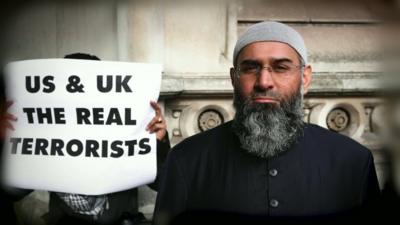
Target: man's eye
x=281, y=68
x=249, y=68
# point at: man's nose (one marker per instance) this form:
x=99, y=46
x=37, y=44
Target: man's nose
x=265, y=79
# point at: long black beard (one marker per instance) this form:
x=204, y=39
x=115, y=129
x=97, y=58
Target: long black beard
x=266, y=130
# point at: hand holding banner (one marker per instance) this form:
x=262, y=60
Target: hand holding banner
x=81, y=125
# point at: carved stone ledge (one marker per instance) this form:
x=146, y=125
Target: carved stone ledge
x=323, y=83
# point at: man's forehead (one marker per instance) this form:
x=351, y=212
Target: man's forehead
x=268, y=50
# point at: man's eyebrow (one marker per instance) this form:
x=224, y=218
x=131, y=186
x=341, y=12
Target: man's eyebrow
x=272, y=60
x=248, y=61
x=281, y=60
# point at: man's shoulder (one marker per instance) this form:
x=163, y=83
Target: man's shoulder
x=204, y=141
x=330, y=141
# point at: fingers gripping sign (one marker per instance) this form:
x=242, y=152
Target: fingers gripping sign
x=6, y=120
x=157, y=125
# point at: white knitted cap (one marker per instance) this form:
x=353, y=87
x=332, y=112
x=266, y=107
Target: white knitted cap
x=271, y=31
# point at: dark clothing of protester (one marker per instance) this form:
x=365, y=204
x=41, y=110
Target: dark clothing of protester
x=123, y=206
x=8, y=196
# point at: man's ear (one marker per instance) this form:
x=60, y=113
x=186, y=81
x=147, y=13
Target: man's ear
x=307, y=76
x=232, y=73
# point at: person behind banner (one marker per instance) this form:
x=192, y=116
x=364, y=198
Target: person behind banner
x=266, y=163
x=115, y=208
x=7, y=195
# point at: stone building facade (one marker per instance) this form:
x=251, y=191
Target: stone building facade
x=194, y=41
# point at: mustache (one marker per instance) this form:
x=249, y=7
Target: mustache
x=266, y=94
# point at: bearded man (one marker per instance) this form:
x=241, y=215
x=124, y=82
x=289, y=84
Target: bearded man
x=267, y=162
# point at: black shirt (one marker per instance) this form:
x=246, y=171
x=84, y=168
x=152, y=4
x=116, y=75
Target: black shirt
x=322, y=174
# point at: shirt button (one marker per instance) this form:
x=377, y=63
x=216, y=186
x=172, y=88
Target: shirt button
x=274, y=203
x=273, y=172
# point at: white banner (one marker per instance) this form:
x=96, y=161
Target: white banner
x=81, y=125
